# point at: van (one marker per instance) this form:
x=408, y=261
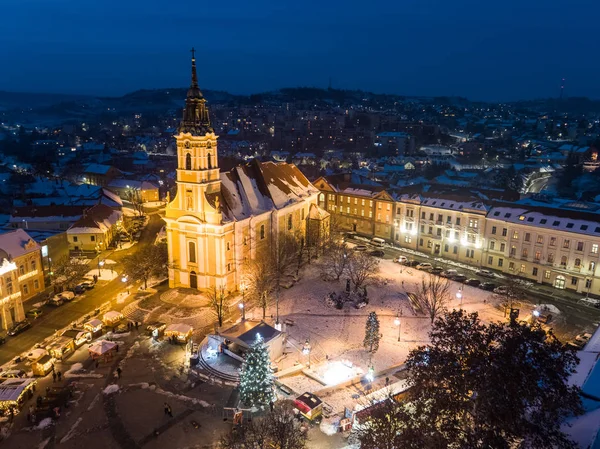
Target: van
x=380, y=243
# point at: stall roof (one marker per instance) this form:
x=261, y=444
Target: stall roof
x=102, y=347
x=11, y=389
x=179, y=327
x=112, y=315
x=245, y=332
x=95, y=322
x=310, y=400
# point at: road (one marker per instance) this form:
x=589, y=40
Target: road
x=55, y=318
x=540, y=184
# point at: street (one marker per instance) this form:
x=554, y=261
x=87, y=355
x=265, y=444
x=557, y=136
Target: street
x=55, y=318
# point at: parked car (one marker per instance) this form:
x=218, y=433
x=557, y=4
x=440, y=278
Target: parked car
x=34, y=313
x=56, y=301
x=125, y=238
x=21, y=326
x=424, y=266
x=591, y=302
x=67, y=295
x=376, y=253
x=401, y=259
x=2, y=340
x=88, y=285
x=79, y=290
x=489, y=286
x=473, y=282
x=436, y=270
x=412, y=263
x=449, y=274
x=360, y=248
x=360, y=305
x=13, y=374
x=459, y=278
x=485, y=273
x=502, y=290
x=583, y=338
x=350, y=235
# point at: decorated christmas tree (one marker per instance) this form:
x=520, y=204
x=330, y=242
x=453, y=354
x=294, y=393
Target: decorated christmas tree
x=256, y=380
x=371, y=341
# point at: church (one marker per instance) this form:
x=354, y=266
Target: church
x=218, y=220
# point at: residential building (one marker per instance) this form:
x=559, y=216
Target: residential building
x=394, y=144
x=95, y=230
x=100, y=174
x=129, y=189
x=21, y=275
x=218, y=221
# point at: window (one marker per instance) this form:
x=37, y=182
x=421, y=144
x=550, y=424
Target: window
x=540, y=239
x=33, y=265
x=245, y=241
x=188, y=161
x=563, y=261
x=370, y=214
x=515, y=235
x=420, y=242
x=192, y=252
x=490, y=260
x=228, y=246
x=534, y=272
x=302, y=213
x=546, y=274
x=439, y=232
x=492, y=245
x=543, y=221
x=362, y=213
x=356, y=202
x=457, y=221
x=527, y=237
x=456, y=235
x=449, y=219
x=262, y=232
x=556, y=223
x=430, y=229
x=511, y=266
x=522, y=268
x=500, y=262
x=22, y=270
x=407, y=239
x=504, y=232
x=388, y=207
x=348, y=199
x=592, y=266
x=347, y=209
x=440, y=218
x=229, y=267
x=410, y=213
x=422, y=215
x=36, y=284
x=577, y=263
x=473, y=223
x=289, y=222
x=521, y=217
x=538, y=256
x=552, y=241
x=566, y=243
x=513, y=251
x=446, y=248
x=93, y=238
x=429, y=244
x=594, y=248
x=493, y=229
x=579, y=246
x=550, y=257
x=574, y=280
x=455, y=250
x=422, y=229
x=588, y=283
x=74, y=238
x=525, y=252
x=25, y=289
x=470, y=253
x=502, y=246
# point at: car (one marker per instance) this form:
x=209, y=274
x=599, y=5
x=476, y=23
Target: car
x=21, y=326
x=449, y=274
x=34, y=313
x=137, y=235
x=583, y=338
x=502, y=290
x=459, y=278
x=79, y=290
x=56, y=301
x=473, y=282
x=376, y=253
x=360, y=305
x=67, y=295
x=88, y=285
x=591, y=302
x=485, y=273
x=360, y=248
x=401, y=259
x=2, y=340
x=13, y=374
x=424, y=266
x=412, y=263
x=436, y=270
x=488, y=286
x=125, y=238
x=350, y=235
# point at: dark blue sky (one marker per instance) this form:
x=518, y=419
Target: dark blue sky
x=480, y=49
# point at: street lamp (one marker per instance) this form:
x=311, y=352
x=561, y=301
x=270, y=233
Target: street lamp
x=459, y=295
x=100, y=265
x=242, y=306
x=398, y=323
x=306, y=350
x=124, y=280
x=371, y=374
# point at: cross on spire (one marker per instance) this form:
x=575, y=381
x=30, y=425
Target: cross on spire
x=193, y=51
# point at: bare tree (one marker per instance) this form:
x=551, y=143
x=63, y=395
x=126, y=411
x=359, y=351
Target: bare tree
x=219, y=302
x=259, y=278
x=149, y=260
x=283, y=259
x=335, y=261
x=362, y=268
x=433, y=294
x=135, y=198
x=66, y=271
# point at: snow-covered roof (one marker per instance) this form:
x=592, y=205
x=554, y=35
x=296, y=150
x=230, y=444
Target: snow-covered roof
x=102, y=347
x=97, y=219
x=180, y=328
x=17, y=243
x=131, y=184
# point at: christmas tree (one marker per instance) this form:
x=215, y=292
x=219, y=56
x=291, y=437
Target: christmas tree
x=256, y=380
x=371, y=341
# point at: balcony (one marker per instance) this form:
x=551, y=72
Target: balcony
x=28, y=275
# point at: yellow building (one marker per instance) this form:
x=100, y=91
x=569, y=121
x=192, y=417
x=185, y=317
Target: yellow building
x=218, y=220
x=21, y=275
x=95, y=230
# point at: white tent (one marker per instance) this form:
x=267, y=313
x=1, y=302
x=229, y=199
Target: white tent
x=101, y=348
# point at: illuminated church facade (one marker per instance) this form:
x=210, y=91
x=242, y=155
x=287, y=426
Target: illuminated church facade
x=217, y=220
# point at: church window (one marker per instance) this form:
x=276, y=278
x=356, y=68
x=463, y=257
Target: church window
x=262, y=232
x=209, y=160
x=289, y=222
x=228, y=267
x=192, y=252
x=189, y=200
x=228, y=247
x=302, y=214
x=188, y=161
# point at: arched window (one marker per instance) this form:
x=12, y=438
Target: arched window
x=577, y=263
x=209, y=161
x=192, y=252
x=563, y=261
x=188, y=161
x=33, y=265
x=289, y=222
x=228, y=246
x=262, y=232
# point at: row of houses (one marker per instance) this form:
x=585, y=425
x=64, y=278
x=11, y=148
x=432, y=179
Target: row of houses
x=555, y=243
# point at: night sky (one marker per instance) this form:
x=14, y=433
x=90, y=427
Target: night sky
x=485, y=50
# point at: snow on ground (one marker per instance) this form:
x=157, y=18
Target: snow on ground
x=71, y=431
x=112, y=388
x=103, y=274
x=46, y=422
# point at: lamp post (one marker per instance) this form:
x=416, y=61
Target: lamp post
x=243, y=310
x=398, y=323
x=124, y=280
x=242, y=306
x=100, y=265
x=306, y=350
x=371, y=374
x=459, y=295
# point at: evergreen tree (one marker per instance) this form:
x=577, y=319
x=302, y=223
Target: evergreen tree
x=256, y=380
x=372, y=335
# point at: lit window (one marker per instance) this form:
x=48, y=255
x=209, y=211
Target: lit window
x=192, y=252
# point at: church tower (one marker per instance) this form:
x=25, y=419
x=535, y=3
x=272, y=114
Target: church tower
x=195, y=231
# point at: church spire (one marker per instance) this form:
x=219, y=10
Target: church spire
x=195, y=115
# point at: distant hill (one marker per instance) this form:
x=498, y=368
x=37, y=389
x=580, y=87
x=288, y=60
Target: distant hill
x=11, y=100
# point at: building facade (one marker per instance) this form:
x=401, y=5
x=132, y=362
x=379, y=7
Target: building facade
x=96, y=230
x=21, y=275
x=218, y=221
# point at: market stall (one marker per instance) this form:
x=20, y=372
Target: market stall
x=94, y=326
x=179, y=332
x=102, y=349
x=112, y=318
x=156, y=329
x=43, y=365
x=309, y=405
x=13, y=392
x=61, y=347
x=79, y=336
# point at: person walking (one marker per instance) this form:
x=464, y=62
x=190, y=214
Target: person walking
x=119, y=371
x=117, y=348
x=53, y=377
x=168, y=410
x=59, y=376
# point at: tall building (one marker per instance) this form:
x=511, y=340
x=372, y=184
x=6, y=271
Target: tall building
x=219, y=220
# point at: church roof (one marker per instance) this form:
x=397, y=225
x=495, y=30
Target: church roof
x=259, y=187
x=195, y=114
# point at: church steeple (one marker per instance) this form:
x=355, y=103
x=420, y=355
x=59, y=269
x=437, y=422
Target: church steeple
x=195, y=115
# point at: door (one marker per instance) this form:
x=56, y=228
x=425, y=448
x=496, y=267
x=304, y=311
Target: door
x=193, y=280
x=559, y=282
x=354, y=227
x=437, y=249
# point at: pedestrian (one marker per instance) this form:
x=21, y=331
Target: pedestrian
x=53, y=377
x=170, y=411
x=387, y=381
x=59, y=376
x=136, y=325
x=47, y=391
x=167, y=409
x=117, y=348
x=402, y=284
x=119, y=371
x=271, y=405
x=38, y=401
x=97, y=363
